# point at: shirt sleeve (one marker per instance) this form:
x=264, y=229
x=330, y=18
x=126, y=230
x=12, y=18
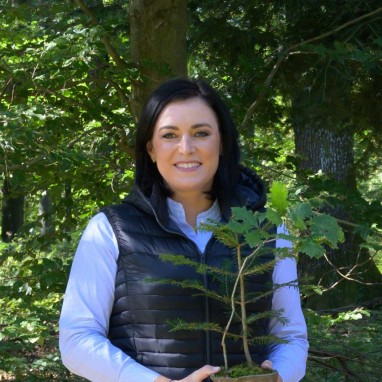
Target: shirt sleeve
x=289, y=358
x=84, y=321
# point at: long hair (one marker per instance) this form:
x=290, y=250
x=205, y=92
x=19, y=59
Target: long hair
x=146, y=172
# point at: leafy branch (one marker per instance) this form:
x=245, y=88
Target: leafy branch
x=284, y=54
x=105, y=38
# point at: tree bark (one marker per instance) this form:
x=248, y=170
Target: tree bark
x=45, y=211
x=158, y=44
x=321, y=149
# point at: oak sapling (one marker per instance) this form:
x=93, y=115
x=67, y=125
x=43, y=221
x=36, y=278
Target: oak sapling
x=252, y=236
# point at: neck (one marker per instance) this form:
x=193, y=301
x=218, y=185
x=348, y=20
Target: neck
x=193, y=206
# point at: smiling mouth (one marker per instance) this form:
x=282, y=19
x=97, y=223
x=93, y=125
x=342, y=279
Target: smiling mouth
x=188, y=165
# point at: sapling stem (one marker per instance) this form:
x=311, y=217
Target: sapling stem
x=243, y=310
x=241, y=283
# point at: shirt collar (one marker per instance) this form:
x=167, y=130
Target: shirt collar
x=178, y=215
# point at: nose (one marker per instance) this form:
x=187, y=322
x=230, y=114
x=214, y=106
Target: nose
x=186, y=145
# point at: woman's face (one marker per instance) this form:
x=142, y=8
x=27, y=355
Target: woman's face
x=186, y=146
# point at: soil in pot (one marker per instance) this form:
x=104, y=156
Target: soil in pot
x=245, y=374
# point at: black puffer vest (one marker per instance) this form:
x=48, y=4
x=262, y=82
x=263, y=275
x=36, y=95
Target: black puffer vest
x=143, y=307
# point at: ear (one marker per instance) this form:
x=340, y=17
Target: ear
x=150, y=150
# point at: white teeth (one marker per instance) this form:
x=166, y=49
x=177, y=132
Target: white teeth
x=187, y=165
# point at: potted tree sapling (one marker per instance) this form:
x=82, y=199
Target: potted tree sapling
x=252, y=237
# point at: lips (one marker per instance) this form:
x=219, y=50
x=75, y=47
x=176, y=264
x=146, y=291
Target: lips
x=187, y=164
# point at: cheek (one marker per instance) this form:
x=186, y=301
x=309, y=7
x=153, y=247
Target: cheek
x=218, y=149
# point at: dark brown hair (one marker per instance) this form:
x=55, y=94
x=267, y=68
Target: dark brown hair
x=176, y=90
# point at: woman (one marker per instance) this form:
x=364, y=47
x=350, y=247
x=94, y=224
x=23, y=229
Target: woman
x=114, y=321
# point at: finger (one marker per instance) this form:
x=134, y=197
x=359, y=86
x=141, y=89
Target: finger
x=206, y=371
x=267, y=364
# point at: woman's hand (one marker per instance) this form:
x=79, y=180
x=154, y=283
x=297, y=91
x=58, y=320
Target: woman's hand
x=197, y=376
x=267, y=364
x=201, y=374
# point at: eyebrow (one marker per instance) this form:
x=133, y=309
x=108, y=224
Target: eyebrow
x=197, y=125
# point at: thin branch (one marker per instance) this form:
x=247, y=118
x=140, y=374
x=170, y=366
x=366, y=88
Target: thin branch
x=243, y=309
x=5, y=87
x=119, y=90
x=105, y=38
x=345, y=222
x=79, y=137
x=58, y=95
x=285, y=53
x=39, y=159
x=22, y=166
x=321, y=356
x=364, y=304
x=252, y=108
x=123, y=144
x=72, y=83
x=347, y=275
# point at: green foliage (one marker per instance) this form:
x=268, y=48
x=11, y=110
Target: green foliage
x=66, y=131
x=63, y=106
x=32, y=282
x=310, y=230
x=344, y=345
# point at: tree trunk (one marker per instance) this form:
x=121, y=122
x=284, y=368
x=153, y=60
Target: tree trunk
x=45, y=211
x=321, y=149
x=158, y=44
x=331, y=151
x=12, y=212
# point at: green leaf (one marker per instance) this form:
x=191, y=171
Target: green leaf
x=363, y=230
x=325, y=227
x=249, y=218
x=299, y=214
x=354, y=315
x=278, y=197
x=310, y=248
x=254, y=238
x=274, y=217
x=236, y=227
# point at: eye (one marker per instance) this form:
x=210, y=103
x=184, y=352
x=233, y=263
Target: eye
x=169, y=136
x=201, y=134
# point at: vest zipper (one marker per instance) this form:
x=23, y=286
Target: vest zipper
x=207, y=315
x=202, y=259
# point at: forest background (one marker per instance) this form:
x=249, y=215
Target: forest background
x=303, y=80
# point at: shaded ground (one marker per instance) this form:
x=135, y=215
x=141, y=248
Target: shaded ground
x=343, y=347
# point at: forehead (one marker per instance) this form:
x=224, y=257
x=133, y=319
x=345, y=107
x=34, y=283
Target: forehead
x=191, y=110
